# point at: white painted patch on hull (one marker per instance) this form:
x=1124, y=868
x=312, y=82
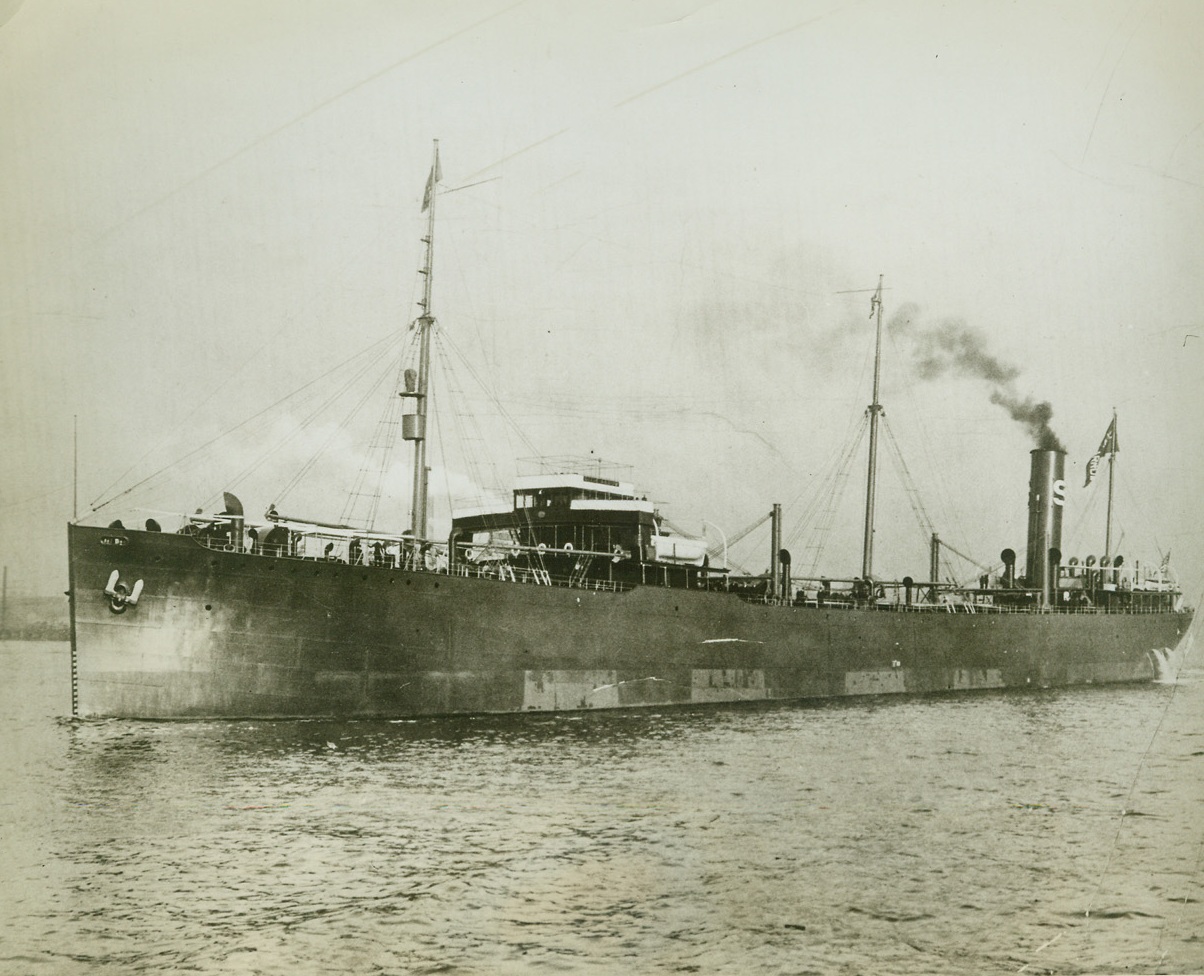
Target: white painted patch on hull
x=727, y=684
x=967, y=679
x=890, y=682
x=553, y=690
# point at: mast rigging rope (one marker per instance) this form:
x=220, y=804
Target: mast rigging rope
x=369, y=350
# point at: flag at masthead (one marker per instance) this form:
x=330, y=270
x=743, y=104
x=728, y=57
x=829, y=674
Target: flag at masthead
x=1107, y=447
x=432, y=180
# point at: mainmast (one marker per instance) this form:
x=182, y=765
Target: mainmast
x=415, y=429
x=875, y=409
x=1111, y=440
x=1109, y=447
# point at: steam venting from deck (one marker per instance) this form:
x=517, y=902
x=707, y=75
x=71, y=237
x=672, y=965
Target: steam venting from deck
x=954, y=348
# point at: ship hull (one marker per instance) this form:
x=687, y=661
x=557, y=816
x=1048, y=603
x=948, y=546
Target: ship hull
x=235, y=635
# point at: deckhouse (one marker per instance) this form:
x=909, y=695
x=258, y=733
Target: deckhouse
x=601, y=526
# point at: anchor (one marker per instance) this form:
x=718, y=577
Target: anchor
x=121, y=596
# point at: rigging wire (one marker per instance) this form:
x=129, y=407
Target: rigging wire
x=826, y=500
x=717, y=549
x=909, y=485
x=383, y=440
x=1142, y=514
x=1125, y=810
x=391, y=422
x=356, y=490
x=1087, y=513
x=1194, y=871
x=306, y=424
x=29, y=500
x=917, y=505
x=442, y=452
x=287, y=322
x=920, y=419
x=493, y=397
x=830, y=494
x=853, y=434
x=739, y=536
x=969, y=559
x=307, y=113
x=322, y=409
x=1090, y=512
x=474, y=451
x=369, y=350
x=521, y=217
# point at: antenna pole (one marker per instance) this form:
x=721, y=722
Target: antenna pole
x=75, y=468
x=875, y=409
x=426, y=323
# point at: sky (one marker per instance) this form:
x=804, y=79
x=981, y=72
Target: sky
x=658, y=231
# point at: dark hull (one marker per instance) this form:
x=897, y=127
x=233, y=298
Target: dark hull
x=228, y=634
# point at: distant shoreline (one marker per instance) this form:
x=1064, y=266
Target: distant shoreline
x=35, y=618
x=36, y=632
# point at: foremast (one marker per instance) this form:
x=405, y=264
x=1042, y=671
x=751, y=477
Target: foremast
x=875, y=411
x=418, y=387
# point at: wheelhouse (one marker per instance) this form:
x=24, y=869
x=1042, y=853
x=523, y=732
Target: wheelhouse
x=594, y=527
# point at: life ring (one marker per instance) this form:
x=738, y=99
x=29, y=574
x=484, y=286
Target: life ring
x=568, y=548
x=541, y=548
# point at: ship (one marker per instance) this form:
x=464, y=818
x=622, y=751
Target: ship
x=574, y=595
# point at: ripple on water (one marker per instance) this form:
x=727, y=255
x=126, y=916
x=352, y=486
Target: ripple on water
x=939, y=835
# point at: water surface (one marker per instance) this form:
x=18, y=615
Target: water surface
x=992, y=832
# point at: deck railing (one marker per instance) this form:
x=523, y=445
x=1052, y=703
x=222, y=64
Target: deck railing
x=964, y=608
x=414, y=559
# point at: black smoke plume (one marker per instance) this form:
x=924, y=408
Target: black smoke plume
x=1034, y=414
x=954, y=348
